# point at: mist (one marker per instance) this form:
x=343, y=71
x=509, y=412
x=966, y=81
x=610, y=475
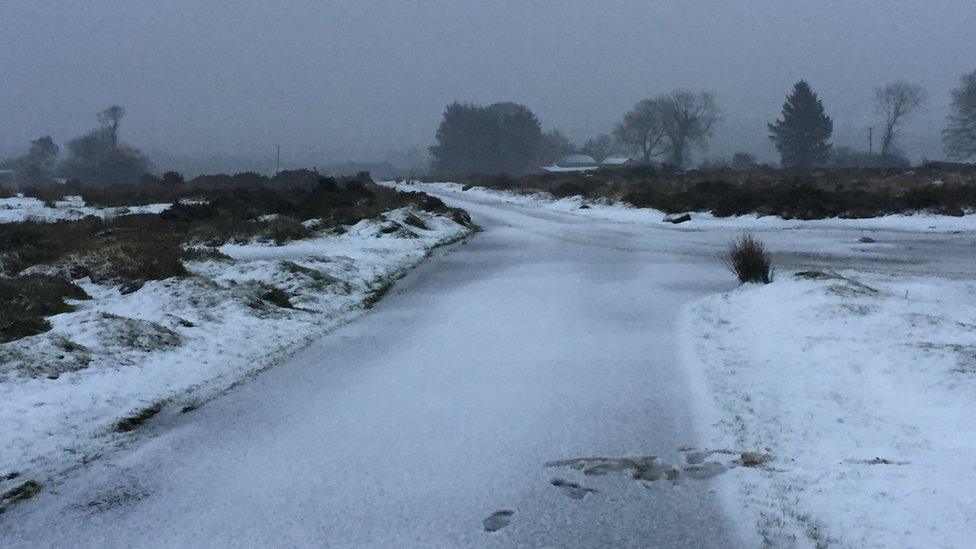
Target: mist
x=369, y=80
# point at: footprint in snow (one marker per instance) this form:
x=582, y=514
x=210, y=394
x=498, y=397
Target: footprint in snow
x=705, y=470
x=498, y=520
x=571, y=489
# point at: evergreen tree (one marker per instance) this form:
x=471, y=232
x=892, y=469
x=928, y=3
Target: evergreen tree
x=802, y=134
x=516, y=138
x=960, y=135
x=499, y=138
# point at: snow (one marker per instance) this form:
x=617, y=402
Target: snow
x=863, y=396
x=20, y=208
x=862, y=387
x=540, y=339
x=557, y=333
x=183, y=340
x=605, y=210
x=555, y=168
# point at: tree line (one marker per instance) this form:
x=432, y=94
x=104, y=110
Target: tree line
x=507, y=137
x=98, y=157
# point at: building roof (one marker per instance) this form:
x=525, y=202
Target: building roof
x=557, y=168
x=616, y=160
x=576, y=159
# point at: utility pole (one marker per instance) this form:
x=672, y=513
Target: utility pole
x=278, y=160
x=870, y=139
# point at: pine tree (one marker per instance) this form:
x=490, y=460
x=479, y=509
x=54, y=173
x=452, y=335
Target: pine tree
x=802, y=135
x=960, y=135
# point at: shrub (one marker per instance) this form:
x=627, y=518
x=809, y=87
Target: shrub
x=173, y=177
x=278, y=297
x=284, y=229
x=748, y=259
x=129, y=260
x=833, y=192
x=27, y=300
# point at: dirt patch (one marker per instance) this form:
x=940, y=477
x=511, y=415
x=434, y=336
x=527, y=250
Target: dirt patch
x=754, y=459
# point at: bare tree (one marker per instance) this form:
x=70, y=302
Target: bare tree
x=642, y=129
x=960, y=135
x=895, y=102
x=599, y=147
x=688, y=119
x=111, y=118
x=555, y=145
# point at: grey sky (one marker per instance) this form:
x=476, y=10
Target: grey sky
x=349, y=80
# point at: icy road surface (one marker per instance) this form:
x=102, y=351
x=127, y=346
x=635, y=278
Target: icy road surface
x=433, y=419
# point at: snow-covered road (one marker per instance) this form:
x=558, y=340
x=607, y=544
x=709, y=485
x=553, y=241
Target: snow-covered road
x=549, y=336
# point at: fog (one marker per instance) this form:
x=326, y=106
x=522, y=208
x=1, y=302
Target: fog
x=363, y=80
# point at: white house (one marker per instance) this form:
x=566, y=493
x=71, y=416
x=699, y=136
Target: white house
x=616, y=161
x=573, y=163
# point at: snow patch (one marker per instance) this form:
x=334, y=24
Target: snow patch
x=861, y=385
x=22, y=208
x=64, y=393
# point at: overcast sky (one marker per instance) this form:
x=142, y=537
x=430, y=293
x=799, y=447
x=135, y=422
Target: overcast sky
x=350, y=80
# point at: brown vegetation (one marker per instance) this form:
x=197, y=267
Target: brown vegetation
x=38, y=259
x=748, y=259
x=849, y=193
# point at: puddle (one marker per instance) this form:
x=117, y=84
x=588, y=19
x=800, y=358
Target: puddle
x=651, y=468
x=640, y=467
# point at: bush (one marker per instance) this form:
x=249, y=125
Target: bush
x=830, y=192
x=173, y=177
x=284, y=229
x=748, y=259
x=27, y=300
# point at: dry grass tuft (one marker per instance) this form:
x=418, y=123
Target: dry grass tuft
x=748, y=259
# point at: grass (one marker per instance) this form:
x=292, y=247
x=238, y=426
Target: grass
x=22, y=491
x=27, y=300
x=748, y=259
x=377, y=293
x=133, y=421
x=283, y=229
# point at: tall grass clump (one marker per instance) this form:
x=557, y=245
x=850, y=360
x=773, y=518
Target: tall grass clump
x=748, y=259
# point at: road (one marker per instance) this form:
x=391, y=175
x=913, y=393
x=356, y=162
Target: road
x=547, y=336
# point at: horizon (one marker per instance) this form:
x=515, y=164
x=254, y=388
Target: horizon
x=356, y=82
